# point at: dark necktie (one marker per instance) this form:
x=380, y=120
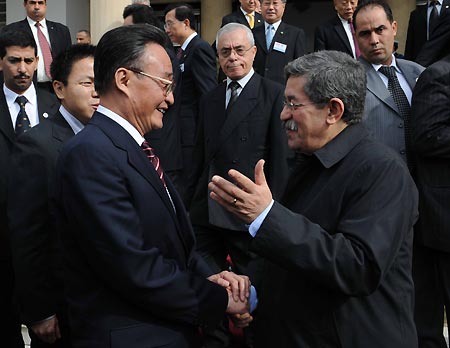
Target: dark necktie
x=234, y=86
x=403, y=106
x=434, y=17
x=150, y=153
x=45, y=48
x=22, y=121
x=180, y=52
x=355, y=42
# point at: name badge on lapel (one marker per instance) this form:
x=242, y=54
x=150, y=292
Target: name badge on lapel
x=280, y=47
x=182, y=67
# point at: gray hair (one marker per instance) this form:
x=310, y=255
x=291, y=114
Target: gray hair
x=230, y=27
x=332, y=74
x=143, y=2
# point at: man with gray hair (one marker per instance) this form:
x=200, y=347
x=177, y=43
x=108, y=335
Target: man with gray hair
x=338, y=244
x=143, y=2
x=238, y=124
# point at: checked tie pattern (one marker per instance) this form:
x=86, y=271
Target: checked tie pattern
x=403, y=106
x=154, y=160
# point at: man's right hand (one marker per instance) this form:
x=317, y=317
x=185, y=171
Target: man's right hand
x=47, y=330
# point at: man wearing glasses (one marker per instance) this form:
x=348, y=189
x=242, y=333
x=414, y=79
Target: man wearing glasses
x=278, y=43
x=132, y=278
x=338, y=245
x=239, y=123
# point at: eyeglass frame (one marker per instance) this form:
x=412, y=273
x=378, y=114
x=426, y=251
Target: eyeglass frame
x=294, y=107
x=242, y=50
x=169, y=85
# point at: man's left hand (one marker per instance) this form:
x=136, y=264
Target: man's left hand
x=239, y=285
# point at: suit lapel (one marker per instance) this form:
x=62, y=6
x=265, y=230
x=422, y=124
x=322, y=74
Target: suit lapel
x=61, y=130
x=340, y=31
x=47, y=104
x=377, y=87
x=6, y=126
x=260, y=37
x=408, y=73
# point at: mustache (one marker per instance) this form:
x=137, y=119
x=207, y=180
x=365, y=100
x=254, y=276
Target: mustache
x=290, y=125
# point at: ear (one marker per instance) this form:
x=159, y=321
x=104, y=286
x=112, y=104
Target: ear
x=58, y=87
x=187, y=22
x=335, y=111
x=37, y=63
x=122, y=79
x=394, y=27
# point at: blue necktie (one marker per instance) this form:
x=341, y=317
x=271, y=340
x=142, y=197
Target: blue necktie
x=269, y=35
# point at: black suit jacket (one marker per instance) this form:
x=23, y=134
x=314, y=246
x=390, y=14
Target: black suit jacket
x=239, y=17
x=437, y=47
x=58, y=33
x=431, y=141
x=132, y=276
x=338, y=251
x=198, y=66
x=237, y=139
x=34, y=242
x=270, y=63
x=331, y=35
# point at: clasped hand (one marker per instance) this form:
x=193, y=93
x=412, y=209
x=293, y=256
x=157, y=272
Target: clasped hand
x=238, y=289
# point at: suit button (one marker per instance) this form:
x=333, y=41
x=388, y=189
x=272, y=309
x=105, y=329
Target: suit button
x=400, y=125
x=402, y=152
x=234, y=161
x=243, y=138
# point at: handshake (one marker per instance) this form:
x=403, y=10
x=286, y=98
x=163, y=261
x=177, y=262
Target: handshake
x=238, y=289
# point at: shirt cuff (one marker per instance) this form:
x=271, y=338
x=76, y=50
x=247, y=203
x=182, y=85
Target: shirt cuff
x=253, y=299
x=256, y=224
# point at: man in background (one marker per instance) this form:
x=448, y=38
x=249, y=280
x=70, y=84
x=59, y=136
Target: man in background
x=83, y=37
x=51, y=38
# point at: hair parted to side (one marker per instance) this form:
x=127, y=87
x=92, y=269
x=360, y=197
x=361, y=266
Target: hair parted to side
x=123, y=47
x=332, y=74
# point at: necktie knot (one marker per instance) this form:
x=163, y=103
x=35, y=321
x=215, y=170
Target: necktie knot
x=234, y=86
x=154, y=160
x=433, y=3
x=21, y=100
x=388, y=71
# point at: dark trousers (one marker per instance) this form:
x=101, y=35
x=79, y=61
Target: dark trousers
x=214, y=244
x=431, y=274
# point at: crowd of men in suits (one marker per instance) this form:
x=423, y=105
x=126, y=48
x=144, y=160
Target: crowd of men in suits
x=320, y=180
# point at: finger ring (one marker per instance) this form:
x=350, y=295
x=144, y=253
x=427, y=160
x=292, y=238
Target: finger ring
x=234, y=200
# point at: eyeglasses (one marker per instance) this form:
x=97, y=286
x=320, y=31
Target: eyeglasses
x=168, y=85
x=291, y=106
x=169, y=24
x=240, y=51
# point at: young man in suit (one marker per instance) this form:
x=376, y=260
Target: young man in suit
x=239, y=123
x=198, y=74
x=18, y=55
x=51, y=38
x=337, y=33
x=277, y=43
x=431, y=145
x=388, y=99
x=338, y=245
x=422, y=22
x=132, y=275
x=34, y=242
x=245, y=15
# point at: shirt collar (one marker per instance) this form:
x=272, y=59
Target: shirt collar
x=32, y=23
x=188, y=40
x=336, y=149
x=439, y=3
x=275, y=25
x=393, y=63
x=123, y=123
x=30, y=94
x=243, y=81
x=73, y=122
x=245, y=13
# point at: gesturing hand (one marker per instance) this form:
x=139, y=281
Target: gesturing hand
x=244, y=198
x=238, y=285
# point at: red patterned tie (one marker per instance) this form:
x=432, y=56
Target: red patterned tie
x=154, y=160
x=45, y=48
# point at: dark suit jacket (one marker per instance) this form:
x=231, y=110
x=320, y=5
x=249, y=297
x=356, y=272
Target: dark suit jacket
x=239, y=17
x=270, y=63
x=381, y=115
x=47, y=103
x=132, y=276
x=58, y=33
x=251, y=130
x=35, y=244
x=331, y=35
x=431, y=142
x=338, y=251
x=198, y=77
x=437, y=47
x=417, y=30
